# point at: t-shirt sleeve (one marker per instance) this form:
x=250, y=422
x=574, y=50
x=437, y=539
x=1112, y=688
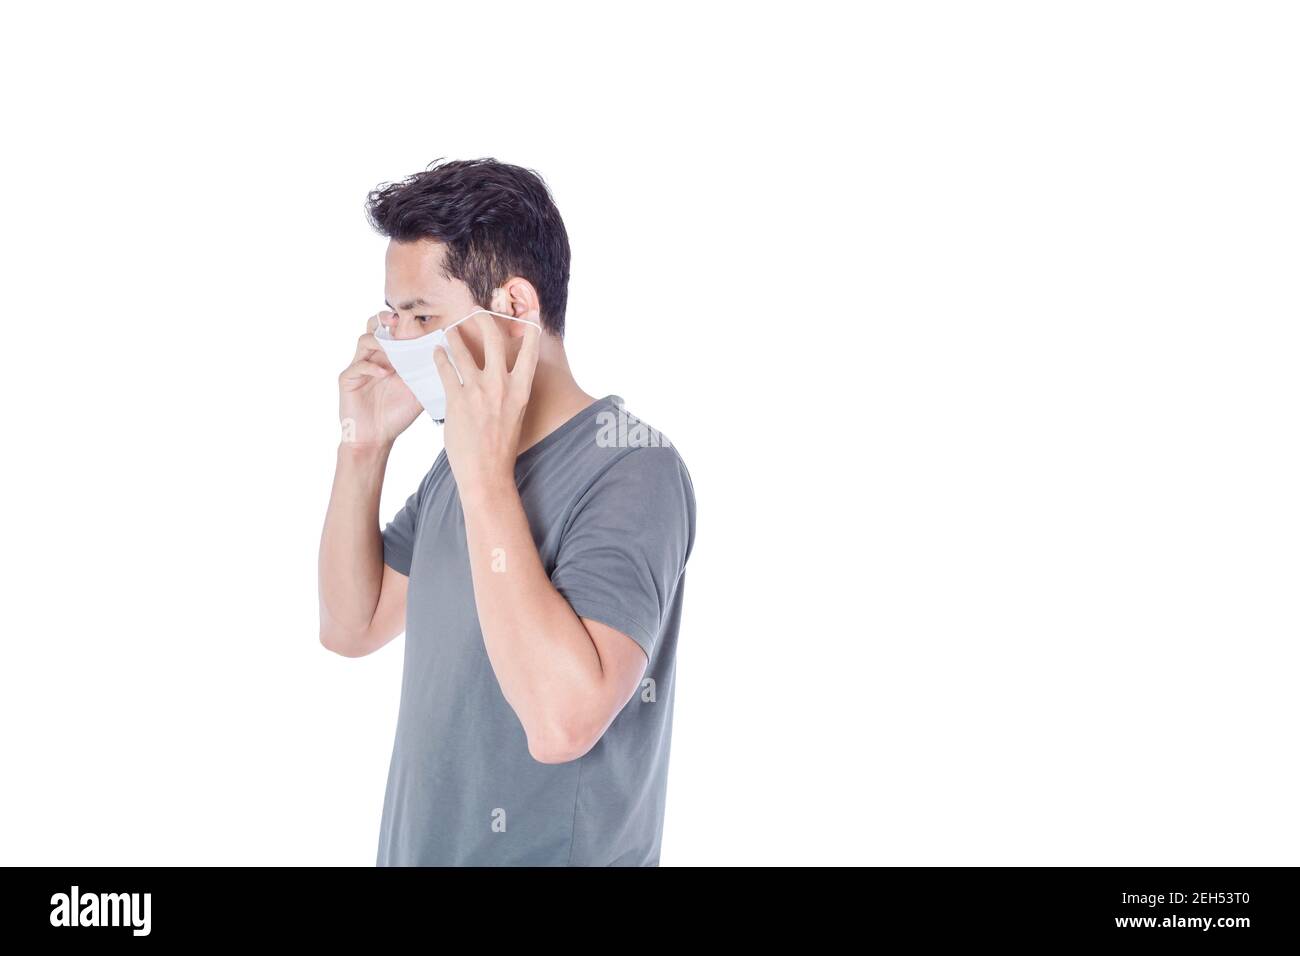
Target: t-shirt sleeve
x=399, y=534
x=625, y=546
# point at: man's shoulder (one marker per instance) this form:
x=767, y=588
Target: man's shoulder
x=635, y=483
x=640, y=483
x=627, y=446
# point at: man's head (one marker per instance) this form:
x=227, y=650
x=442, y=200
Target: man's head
x=469, y=234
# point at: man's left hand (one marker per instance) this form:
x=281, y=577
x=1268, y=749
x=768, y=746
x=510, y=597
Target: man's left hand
x=485, y=416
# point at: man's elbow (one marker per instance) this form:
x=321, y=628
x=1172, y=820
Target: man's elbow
x=562, y=740
x=343, y=645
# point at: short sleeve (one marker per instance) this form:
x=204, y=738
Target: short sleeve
x=625, y=546
x=399, y=534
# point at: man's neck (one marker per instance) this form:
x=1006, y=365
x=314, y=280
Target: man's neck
x=555, y=398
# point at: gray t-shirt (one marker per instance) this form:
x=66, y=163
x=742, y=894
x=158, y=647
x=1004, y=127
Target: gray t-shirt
x=612, y=511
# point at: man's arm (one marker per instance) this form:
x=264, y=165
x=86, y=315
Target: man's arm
x=362, y=599
x=566, y=677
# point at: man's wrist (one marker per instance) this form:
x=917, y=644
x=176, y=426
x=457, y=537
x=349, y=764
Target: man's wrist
x=488, y=491
x=364, y=453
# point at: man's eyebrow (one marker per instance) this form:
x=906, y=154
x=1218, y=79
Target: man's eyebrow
x=407, y=306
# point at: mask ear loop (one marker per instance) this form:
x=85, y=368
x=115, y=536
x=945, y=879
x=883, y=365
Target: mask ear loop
x=502, y=315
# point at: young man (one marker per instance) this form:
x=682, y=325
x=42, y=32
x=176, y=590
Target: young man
x=537, y=570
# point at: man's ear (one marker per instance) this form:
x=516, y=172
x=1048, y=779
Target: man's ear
x=516, y=296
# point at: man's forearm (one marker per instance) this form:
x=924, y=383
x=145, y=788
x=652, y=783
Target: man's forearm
x=351, y=550
x=544, y=659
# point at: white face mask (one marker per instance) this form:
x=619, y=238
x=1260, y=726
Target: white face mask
x=413, y=360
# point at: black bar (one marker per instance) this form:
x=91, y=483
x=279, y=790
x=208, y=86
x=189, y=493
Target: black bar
x=975, y=904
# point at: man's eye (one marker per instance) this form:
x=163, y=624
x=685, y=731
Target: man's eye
x=423, y=318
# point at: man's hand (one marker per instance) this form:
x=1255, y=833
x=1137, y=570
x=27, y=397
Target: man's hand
x=375, y=406
x=486, y=415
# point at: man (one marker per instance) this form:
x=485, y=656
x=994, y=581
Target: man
x=537, y=570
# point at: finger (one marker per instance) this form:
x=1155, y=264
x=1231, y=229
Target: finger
x=460, y=354
x=356, y=373
x=378, y=319
x=494, y=343
x=521, y=376
x=367, y=346
x=450, y=382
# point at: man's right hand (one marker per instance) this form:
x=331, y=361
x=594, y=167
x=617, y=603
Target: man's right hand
x=375, y=406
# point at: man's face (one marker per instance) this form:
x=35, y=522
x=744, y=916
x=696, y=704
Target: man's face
x=421, y=298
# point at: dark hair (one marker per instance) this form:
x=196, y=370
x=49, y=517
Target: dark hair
x=496, y=221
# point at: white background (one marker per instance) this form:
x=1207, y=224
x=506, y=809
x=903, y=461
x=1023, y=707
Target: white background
x=974, y=323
